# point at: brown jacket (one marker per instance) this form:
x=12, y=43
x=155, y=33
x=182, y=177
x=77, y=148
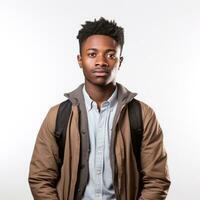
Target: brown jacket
x=46, y=183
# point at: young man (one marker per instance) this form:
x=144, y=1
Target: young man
x=98, y=161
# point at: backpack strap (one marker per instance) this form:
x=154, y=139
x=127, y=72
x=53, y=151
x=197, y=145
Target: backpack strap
x=62, y=119
x=136, y=126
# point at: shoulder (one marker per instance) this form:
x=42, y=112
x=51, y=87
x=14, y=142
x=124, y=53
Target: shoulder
x=53, y=111
x=51, y=117
x=146, y=109
x=150, y=122
x=148, y=114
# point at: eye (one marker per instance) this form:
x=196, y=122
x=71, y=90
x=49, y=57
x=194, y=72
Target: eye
x=111, y=55
x=91, y=54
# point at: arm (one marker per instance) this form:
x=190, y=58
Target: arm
x=155, y=178
x=43, y=174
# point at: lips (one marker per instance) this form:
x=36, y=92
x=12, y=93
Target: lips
x=100, y=73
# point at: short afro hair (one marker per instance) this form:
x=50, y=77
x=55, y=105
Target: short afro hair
x=101, y=27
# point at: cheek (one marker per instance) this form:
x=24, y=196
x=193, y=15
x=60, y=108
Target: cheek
x=87, y=71
x=88, y=62
x=114, y=64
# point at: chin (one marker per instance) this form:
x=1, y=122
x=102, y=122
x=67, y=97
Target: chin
x=102, y=83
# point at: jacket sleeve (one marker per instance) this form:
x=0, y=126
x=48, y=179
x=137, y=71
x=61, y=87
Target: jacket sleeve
x=155, y=178
x=43, y=172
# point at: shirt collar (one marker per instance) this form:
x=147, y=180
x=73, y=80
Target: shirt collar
x=90, y=102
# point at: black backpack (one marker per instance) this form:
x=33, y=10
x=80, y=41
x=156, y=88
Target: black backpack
x=136, y=126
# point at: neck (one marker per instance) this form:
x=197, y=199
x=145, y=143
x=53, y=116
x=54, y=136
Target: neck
x=100, y=93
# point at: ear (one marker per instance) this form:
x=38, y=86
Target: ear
x=79, y=59
x=120, y=61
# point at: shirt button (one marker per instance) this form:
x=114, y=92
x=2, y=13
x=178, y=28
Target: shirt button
x=98, y=194
x=99, y=150
x=98, y=171
x=83, y=132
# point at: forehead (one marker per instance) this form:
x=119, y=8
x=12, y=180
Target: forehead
x=100, y=42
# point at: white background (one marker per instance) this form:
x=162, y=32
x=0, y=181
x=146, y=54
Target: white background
x=38, y=49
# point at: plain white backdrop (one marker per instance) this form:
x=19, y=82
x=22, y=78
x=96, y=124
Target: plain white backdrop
x=38, y=49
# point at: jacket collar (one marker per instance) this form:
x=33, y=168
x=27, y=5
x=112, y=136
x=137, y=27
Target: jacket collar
x=123, y=96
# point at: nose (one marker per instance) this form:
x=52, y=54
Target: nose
x=101, y=61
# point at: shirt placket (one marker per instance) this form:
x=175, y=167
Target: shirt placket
x=99, y=153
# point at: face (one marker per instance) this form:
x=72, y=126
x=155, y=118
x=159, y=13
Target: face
x=100, y=60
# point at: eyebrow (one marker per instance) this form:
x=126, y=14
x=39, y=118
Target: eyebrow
x=94, y=49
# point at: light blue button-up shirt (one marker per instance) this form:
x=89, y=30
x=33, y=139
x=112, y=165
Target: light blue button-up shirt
x=100, y=185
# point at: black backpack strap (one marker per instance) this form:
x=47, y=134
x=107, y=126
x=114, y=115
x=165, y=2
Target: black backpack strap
x=62, y=119
x=136, y=126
